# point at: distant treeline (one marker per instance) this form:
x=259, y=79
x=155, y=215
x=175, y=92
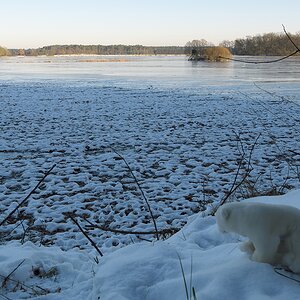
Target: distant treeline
x=99, y=50
x=266, y=44
x=269, y=44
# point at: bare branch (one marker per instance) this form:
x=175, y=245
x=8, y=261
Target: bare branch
x=282, y=98
x=105, y=228
x=84, y=233
x=269, y=61
x=8, y=276
x=278, y=271
x=261, y=62
x=289, y=37
x=27, y=197
x=43, y=291
x=236, y=185
x=233, y=186
x=142, y=192
x=4, y=297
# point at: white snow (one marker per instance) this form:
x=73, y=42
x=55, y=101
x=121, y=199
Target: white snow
x=149, y=271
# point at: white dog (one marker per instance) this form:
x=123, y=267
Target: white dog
x=273, y=231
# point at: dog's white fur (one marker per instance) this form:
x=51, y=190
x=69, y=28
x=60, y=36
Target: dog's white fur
x=273, y=231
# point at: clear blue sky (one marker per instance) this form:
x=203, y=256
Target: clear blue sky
x=35, y=23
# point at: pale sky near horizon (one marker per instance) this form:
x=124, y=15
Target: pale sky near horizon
x=36, y=23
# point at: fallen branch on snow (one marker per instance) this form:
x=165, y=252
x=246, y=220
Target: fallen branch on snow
x=141, y=190
x=162, y=232
x=27, y=197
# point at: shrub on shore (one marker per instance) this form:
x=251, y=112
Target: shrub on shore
x=3, y=51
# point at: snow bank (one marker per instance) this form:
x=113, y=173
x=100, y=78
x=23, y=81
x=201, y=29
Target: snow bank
x=150, y=271
x=219, y=269
x=44, y=273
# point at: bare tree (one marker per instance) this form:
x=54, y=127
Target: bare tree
x=195, y=47
x=297, y=50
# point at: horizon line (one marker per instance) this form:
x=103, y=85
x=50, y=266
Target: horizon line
x=104, y=45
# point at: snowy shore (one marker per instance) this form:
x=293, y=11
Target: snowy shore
x=213, y=265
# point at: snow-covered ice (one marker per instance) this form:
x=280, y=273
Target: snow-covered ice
x=183, y=148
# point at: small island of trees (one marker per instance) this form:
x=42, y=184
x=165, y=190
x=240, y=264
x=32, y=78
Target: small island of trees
x=198, y=50
x=3, y=51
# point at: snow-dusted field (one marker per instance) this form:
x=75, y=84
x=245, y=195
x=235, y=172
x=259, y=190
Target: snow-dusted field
x=182, y=136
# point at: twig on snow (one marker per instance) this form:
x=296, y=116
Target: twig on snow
x=105, y=228
x=8, y=276
x=43, y=291
x=277, y=271
x=27, y=197
x=282, y=98
x=84, y=233
x=4, y=297
x=236, y=185
x=141, y=190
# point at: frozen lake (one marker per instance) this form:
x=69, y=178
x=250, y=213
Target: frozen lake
x=143, y=71
x=184, y=128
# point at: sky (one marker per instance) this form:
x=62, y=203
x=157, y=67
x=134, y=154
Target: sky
x=37, y=23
